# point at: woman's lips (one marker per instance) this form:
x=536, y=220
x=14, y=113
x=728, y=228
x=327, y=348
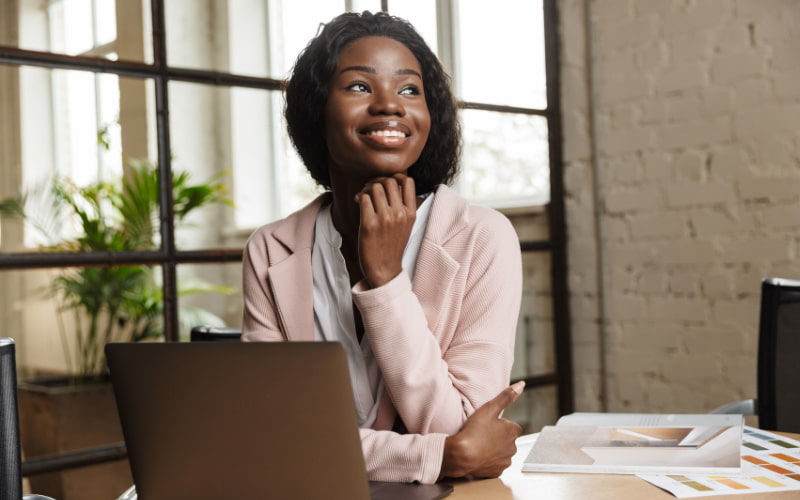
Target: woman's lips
x=390, y=133
x=393, y=127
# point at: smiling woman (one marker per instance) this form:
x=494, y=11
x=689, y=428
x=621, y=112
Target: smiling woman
x=421, y=288
x=377, y=120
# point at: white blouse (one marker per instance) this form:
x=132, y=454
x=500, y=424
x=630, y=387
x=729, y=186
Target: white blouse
x=333, y=306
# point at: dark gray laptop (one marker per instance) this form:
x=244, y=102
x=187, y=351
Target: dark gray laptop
x=244, y=420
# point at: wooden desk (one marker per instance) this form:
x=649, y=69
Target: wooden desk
x=517, y=485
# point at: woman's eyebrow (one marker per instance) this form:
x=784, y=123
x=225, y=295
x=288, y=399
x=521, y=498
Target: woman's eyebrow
x=363, y=69
x=371, y=70
x=408, y=72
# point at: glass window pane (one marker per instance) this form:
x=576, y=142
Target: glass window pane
x=237, y=133
x=202, y=146
x=45, y=337
x=209, y=294
x=71, y=26
x=501, y=53
x=294, y=24
x=71, y=313
x=83, y=27
x=74, y=131
x=218, y=35
x=420, y=13
x=362, y=5
x=250, y=37
x=105, y=32
x=505, y=159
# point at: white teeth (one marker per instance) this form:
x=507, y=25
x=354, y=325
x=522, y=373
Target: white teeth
x=387, y=133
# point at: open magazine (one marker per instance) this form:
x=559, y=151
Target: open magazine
x=627, y=443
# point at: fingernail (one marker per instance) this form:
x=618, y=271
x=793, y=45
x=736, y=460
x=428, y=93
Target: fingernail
x=518, y=387
x=356, y=198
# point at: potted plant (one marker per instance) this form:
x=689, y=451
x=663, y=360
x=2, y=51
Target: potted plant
x=118, y=303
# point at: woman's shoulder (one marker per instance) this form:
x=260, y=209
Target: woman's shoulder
x=296, y=229
x=459, y=213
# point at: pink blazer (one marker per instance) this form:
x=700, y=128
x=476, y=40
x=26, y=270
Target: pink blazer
x=444, y=343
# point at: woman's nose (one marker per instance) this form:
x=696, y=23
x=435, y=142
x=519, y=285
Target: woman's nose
x=386, y=102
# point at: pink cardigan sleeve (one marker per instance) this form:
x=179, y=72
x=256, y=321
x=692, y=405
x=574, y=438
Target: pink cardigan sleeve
x=402, y=458
x=438, y=369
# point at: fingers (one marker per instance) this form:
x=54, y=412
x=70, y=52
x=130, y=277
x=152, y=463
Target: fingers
x=504, y=399
x=365, y=205
x=388, y=212
x=498, y=457
x=384, y=194
x=485, y=444
x=395, y=191
x=409, y=191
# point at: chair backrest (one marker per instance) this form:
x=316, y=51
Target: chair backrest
x=10, y=466
x=215, y=334
x=778, y=355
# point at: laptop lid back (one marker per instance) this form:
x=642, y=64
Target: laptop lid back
x=238, y=420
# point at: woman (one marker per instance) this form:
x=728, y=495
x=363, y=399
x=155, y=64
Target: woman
x=421, y=288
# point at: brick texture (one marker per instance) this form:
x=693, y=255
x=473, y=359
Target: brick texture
x=697, y=158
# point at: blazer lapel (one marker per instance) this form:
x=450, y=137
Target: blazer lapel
x=292, y=286
x=290, y=276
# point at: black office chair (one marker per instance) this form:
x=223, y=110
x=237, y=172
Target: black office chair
x=10, y=451
x=206, y=333
x=778, y=400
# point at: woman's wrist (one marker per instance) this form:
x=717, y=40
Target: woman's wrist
x=456, y=458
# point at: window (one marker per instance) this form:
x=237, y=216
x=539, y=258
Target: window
x=90, y=87
x=504, y=125
x=496, y=57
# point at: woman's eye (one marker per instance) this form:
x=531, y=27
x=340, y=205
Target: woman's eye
x=358, y=87
x=410, y=90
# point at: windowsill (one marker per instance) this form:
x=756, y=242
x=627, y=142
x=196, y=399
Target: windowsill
x=522, y=210
x=515, y=206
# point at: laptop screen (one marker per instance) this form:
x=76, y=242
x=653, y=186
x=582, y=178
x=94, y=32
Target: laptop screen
x=230, y=420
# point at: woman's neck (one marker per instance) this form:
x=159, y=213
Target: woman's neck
x=346, y=216
x=346, y=213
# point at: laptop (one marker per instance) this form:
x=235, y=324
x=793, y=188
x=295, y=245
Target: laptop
x=220, y=420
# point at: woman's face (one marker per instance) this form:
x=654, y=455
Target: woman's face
x=376, y=117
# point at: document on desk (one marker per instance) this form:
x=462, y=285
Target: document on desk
x=627, y=443
x=770, y=462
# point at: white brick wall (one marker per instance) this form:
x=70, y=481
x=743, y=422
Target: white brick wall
x=696, y=152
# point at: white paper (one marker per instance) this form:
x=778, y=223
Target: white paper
x=621, y=443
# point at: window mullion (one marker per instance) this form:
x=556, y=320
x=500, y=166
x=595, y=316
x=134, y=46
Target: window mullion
x=166, y=207
x=274, y=27
x=448, y=39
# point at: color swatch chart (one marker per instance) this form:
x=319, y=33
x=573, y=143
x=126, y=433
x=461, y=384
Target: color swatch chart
x=770, y=462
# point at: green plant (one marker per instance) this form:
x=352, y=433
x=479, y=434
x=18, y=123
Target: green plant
x=119, y=303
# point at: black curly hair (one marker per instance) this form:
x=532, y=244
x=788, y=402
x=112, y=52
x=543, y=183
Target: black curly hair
x=307, y=93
